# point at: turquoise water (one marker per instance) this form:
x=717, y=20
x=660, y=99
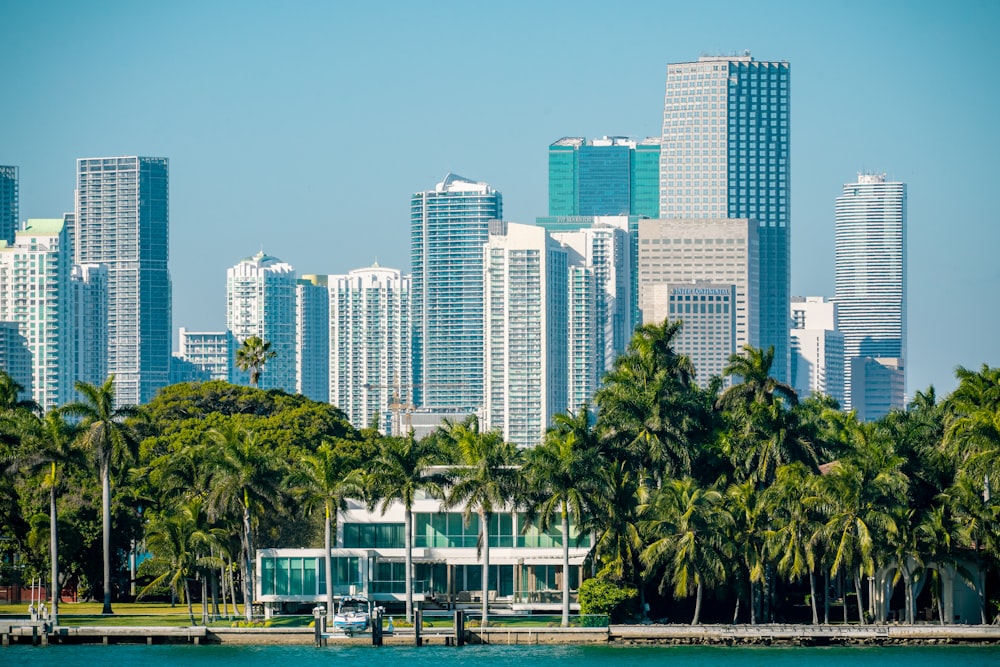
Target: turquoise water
x=498, y=656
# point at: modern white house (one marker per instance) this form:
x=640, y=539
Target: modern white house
x=526, y=564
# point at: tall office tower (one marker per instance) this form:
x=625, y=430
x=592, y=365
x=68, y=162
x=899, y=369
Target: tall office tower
x=8, y=203
x=607, y=176
x=719, y=251
x=878, y=386
x=207, y=353
x=725, y=154
x=122, y=218
x=312, y=338
x=370, y=347
x=584, y=369
x=448, y=227
x=90, y=322
x=260, y=301
x=35, y=292
x=708, y=334
x=605, y=250
x=15, y=357
x=870, y=278
x=817, y=348
x=526, y=331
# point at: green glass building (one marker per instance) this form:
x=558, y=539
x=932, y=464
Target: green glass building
x=606, y=176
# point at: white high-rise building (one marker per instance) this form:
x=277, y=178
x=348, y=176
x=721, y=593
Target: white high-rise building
x=871, y=276
x=312, y=338
x=208, y=352
x=260, y=301
x=90, y=322
x=122, y=219
x=725, y=153
x=525, y=321
x=35, y=293
x=448, y=227
x=718, y=251
x=817, y=348
x=370, y=347
x=15, y=357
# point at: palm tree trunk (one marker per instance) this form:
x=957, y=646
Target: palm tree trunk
x=565, y=554
x=328, y=545
x=736, y=609
x=204, y=600
x=247, y=565
x=812, y=596
x=232, y=588
x=484, y=521
x=908, y=596
x=187, y=596
x=106, y=523
x=697, y=604
x=753, y=599
x=54, y=549
x=407, y=526
x=857, y=592
x=826, y=598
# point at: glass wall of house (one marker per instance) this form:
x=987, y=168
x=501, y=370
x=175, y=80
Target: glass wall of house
x=543, y=583
x=469, y=579
x=531, y=537
x=374, y=535
x=305, y=577
x=451, y=530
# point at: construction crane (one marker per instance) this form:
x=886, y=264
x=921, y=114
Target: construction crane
x=397, y=408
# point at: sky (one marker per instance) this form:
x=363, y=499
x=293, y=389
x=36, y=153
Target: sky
x=303, y=129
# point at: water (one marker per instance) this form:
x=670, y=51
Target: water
x=497, y=656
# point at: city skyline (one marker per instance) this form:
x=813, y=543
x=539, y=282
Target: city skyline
x=861, y=100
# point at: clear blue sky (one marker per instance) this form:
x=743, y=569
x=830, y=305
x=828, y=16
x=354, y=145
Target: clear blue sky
x=304, y=128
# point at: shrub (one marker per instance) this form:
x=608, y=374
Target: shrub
x=598, y=596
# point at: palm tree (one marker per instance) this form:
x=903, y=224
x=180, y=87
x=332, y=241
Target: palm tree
x=565, y=473
x=746, y=505
x=979, y=521
x=10, y=395
x=753, y=367
x=106, y=432
x=403, y=468
x=326, y=479
x=689, y=525
x=252, y=356
x=487, y=480
x=246, y=479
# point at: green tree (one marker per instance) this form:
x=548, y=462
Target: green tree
x=251, y=357
x=487, y=480
x=402, y=468
x=106, y=432
x=688, y=525
x=565, y=474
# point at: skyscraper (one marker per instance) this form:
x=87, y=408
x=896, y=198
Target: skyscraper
x=607, y=176
x=206, y=353
x=817, y=348
x=312, y=338
x=8, y=203
x=122, y=219
x=449, y=226
x=871, y=275
x=724, y=153
x=526, y=331
x=35, y=293
x=370, y=346
x=90, y=317
x=260, y=301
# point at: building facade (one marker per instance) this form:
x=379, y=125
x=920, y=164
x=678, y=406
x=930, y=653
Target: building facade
x=370, y=347
x=725, y=153
x=718, y=251
x=15, y=357
x=817, y=349
x=9, y=206
x=312, y=338
x=526, y=331
x=707, y=312
x=35, y=292
x=448, y=227
x=122, y=221
x=606, y=176
x=879, y=386
x=260, y=301
x=870, y=266
x=90, y=322
x=207, y=352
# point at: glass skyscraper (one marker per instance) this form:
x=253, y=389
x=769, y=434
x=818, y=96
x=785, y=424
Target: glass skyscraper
x=122, y=220
x=8, y=203
x=724, y=153
x=607, y=176
x=871, y=274
x=449, y=227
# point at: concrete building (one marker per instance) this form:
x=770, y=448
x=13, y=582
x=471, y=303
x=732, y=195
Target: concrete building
x=122, y=221
x=448, y=227
x=606, y=176
x=9, y=204
x=15, y=357
x=90, y=322
x=871, y=273
x=526, y=331
x=260, y=301
x=817, y=348
x=725, y=153
x=208, y=353
x=370, y=347
x=35, y=292
x=718, y=251
x=707, y=312
x=878, y=385
x=312, y=338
